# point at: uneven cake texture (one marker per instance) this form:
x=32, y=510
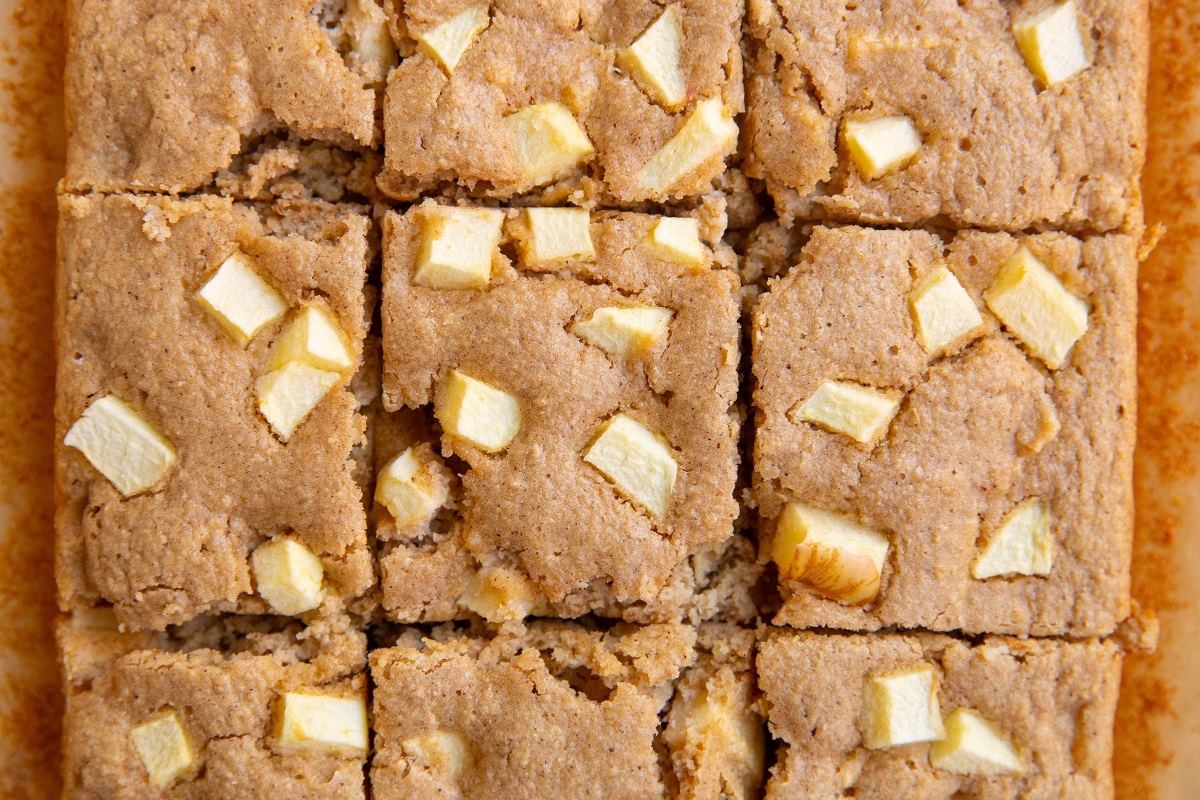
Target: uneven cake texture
x=537, y=508
x=559, y=711
x=303, y=429
x=1053, y=700
x=998, y=149
x=160, y=96
x=450, y=130
x=129, y=326
x=980, y=428
x=225, y=683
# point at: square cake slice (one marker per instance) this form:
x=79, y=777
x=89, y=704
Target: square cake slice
x=619, y=100
x=890, y=716
x=989, y=113
x=239, y=705
x=161, y=95
x=203, y=408
x=566, y=436
x=945, y=431
x=559, y=711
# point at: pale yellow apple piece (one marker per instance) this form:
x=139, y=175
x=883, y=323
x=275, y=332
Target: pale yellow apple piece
x=442, y=752
x=850, y=770
x=315, y=338
x=902, y=708
x=457, y=247
x=676, y=239
x=409, y=491
x=121, y=445
x=372, y=53
x=726, y=731
x=879, y=146
x=973, y=746
x=447, y=42
x=639, y=463
x=287, y=395
x=478, y=412
x=1052, y=45
x=860, y=412
x=239, y=300
x=549, y=141
x=326, y=722
x=559, y=236
x=619, y=331
x=1033, y=303
x=164, y=748
x=1022, y=545
x=654, y=60
x=942, y=310
x=288, y=576
x=837, y=557
x=708, y=132
x=499, y=594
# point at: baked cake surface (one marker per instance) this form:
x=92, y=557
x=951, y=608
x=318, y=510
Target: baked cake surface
x=992, y=465
x=136, y=341
x=980, y=138
x=537, y=510
x=586, y=114
x=1038, y=716
x=161, y=95
x=561, y=711
x=214, y=711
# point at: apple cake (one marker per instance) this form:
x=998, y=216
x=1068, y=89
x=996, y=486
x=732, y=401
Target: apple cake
x=233, y=707
x=890, y=716
x=205, y=350
x=165, y=95
x=561, y=711
x=945, y=431
x=581, y=101
x=565, y=437
x=982, y=113
x=513, y=399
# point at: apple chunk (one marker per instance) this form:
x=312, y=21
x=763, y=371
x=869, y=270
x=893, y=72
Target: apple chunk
x=121, y=445
x=164, y=749
x=974, y=747
x=442, y=752
x=1033, y=303
x=1022, y=544
x=558, y=236
x=499, y=594
x=478, y=412
x=620, y=331
x=447, y=42
x=457, y=247
x=239, y=300
x=315, y=338
x=676, y=239
x=942, y=311
x=1052, y=45
x=654, y=60
x=639, y=463
x=549, y=141
x=324, y=722
x=835, y=556
x=709, y=132
x=902, y=708
x=288, y=576
x=288, y=395
x=860, y=412
x=879, y=146
x=411, y=489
